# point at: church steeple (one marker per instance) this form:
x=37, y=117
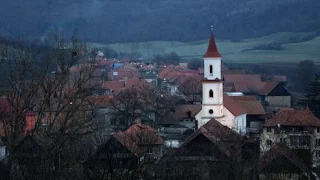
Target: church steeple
x=212, y=90
x=212, y=51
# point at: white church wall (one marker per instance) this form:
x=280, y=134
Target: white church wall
x=227, y=119
x=217, y=93
x=216, y=68
x=212, y=111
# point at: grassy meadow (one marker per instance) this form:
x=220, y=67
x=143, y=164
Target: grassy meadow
x=295, y=47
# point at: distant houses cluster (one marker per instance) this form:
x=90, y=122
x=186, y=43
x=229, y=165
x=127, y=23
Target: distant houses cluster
x=211, y=121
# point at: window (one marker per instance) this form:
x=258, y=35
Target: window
x=282, y=140
x=210, y=111
x=211, y=69
x=113, y=121
x=318, y=130
x=211, y=93
x=318, y=153
x=269, y=142
x=150, y=151
x=317, y=142
x=300, y=140
x=268, y=129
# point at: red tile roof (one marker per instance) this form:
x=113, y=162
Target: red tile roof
x=212, y=50
x=126, y=71
x=127, y=143
x=242, y=78
x=251, y=105
x=248, y=87
x=135, y=82
x=233, y=106
x=113, y=85
x=136, y=136
x=233, y=72
x=138, y=83
x=292, y=117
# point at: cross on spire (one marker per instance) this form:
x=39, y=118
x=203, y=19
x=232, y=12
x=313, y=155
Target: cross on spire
x=212, y=47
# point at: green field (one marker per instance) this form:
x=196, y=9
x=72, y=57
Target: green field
x=233, y=51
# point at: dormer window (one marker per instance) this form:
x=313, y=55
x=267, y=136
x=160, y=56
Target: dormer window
x=210, y=70
x=211, y=93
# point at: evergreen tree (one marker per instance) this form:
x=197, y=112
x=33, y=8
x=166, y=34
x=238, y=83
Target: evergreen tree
x=305, y=71
x=312, y=98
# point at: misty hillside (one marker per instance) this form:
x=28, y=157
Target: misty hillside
x=142, y=20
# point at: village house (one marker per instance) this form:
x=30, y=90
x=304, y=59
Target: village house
x=255, y=113
x=297, y=129
x=185, y=115
x=171, y=78
x=121, y=71
x=138, y=144
x=213, y=151
x=235, y=116
x=113, y=87
x=274, y=96
x=282, y=163
x=181, y=123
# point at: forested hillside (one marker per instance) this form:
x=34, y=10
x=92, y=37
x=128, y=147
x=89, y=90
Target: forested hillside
x=143, y=20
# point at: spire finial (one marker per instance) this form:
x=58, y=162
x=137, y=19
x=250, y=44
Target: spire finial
x=211, y=28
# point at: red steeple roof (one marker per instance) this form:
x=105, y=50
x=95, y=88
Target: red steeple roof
x=212, y=49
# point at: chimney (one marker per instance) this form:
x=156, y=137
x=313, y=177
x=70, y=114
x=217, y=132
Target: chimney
x=196, y=125
x=189, y=113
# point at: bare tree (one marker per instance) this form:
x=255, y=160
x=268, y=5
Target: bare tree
x=46, y=105
x=192, y=87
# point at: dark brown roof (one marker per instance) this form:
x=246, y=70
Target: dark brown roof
x=279, y=151
x=280, y=78
x=251, y=105
x=292, y=117
x=182, y=110
x=212, y=49
x=268, y=87
x=224, y=137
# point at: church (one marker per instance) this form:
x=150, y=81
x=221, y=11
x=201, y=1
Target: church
x=213, y=106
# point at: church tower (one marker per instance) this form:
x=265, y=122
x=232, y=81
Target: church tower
x=212, y=90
